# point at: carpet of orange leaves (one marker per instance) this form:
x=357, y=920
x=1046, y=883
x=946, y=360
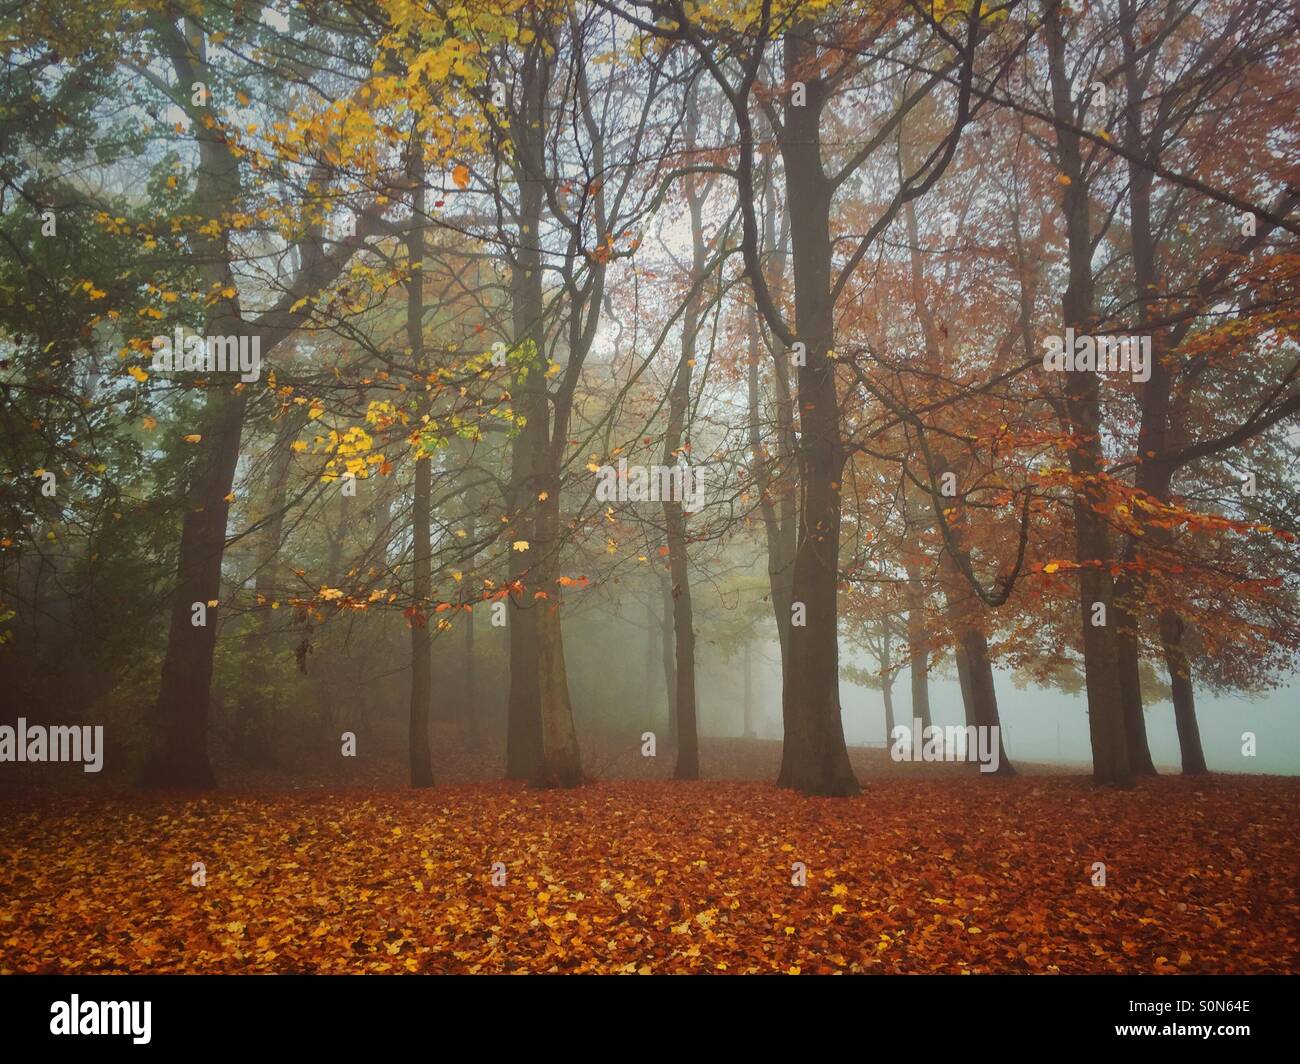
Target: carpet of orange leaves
x=912, y=876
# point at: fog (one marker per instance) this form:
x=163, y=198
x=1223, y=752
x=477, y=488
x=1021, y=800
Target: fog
x=1040, y=726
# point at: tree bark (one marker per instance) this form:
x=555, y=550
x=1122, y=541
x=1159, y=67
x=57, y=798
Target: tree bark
x=179, y=757
x=918, y=652
x=963, y=679
x=524, y=746
x=887, y=681
x=651, y=653
x=1180, y=680
x=561, y=764
x=749, y=691
x=254, y=739
x=422, y=500
x=473, y=500
x=677, y=449
x=984, y=698
x=780, y=524
x=669, y=654
x=776, y=501
x=688, y=742
x=471, y=682
x=1082, y=402
x=974, y=665
x=818, y=757
x=1130, y=588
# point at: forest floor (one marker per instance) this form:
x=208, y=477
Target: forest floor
x=939, y=874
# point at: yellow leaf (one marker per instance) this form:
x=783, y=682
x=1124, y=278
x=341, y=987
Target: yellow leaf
x=520, y=545
x=193, y=437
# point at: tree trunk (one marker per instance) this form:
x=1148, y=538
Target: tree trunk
x=651, y=653
x=779, y=520
x=255, y=741
x=887, y=682
x=984, y=698
x=669, y=655
x=1180, y=680
x=963, y=679
x=1128, y=590
x=818, y=757
x=421, y=503
x=1093, y=552
x=918, y=653
x=421, y=644
x=179, y=757
x=1082, y=401
x=749, y=690
x=677, y=449
x=776, y=502
x=471, y=681
x=523, y=708
x=974, y=666
x=561, y=764
x=1130, y=587
x=524, y=746
x=471, y=713
x=688, y=743
x=541, y=717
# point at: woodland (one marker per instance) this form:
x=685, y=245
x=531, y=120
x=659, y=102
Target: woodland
x=457, y=456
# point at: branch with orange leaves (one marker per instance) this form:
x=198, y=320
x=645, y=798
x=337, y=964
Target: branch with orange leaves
x=961, y=558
